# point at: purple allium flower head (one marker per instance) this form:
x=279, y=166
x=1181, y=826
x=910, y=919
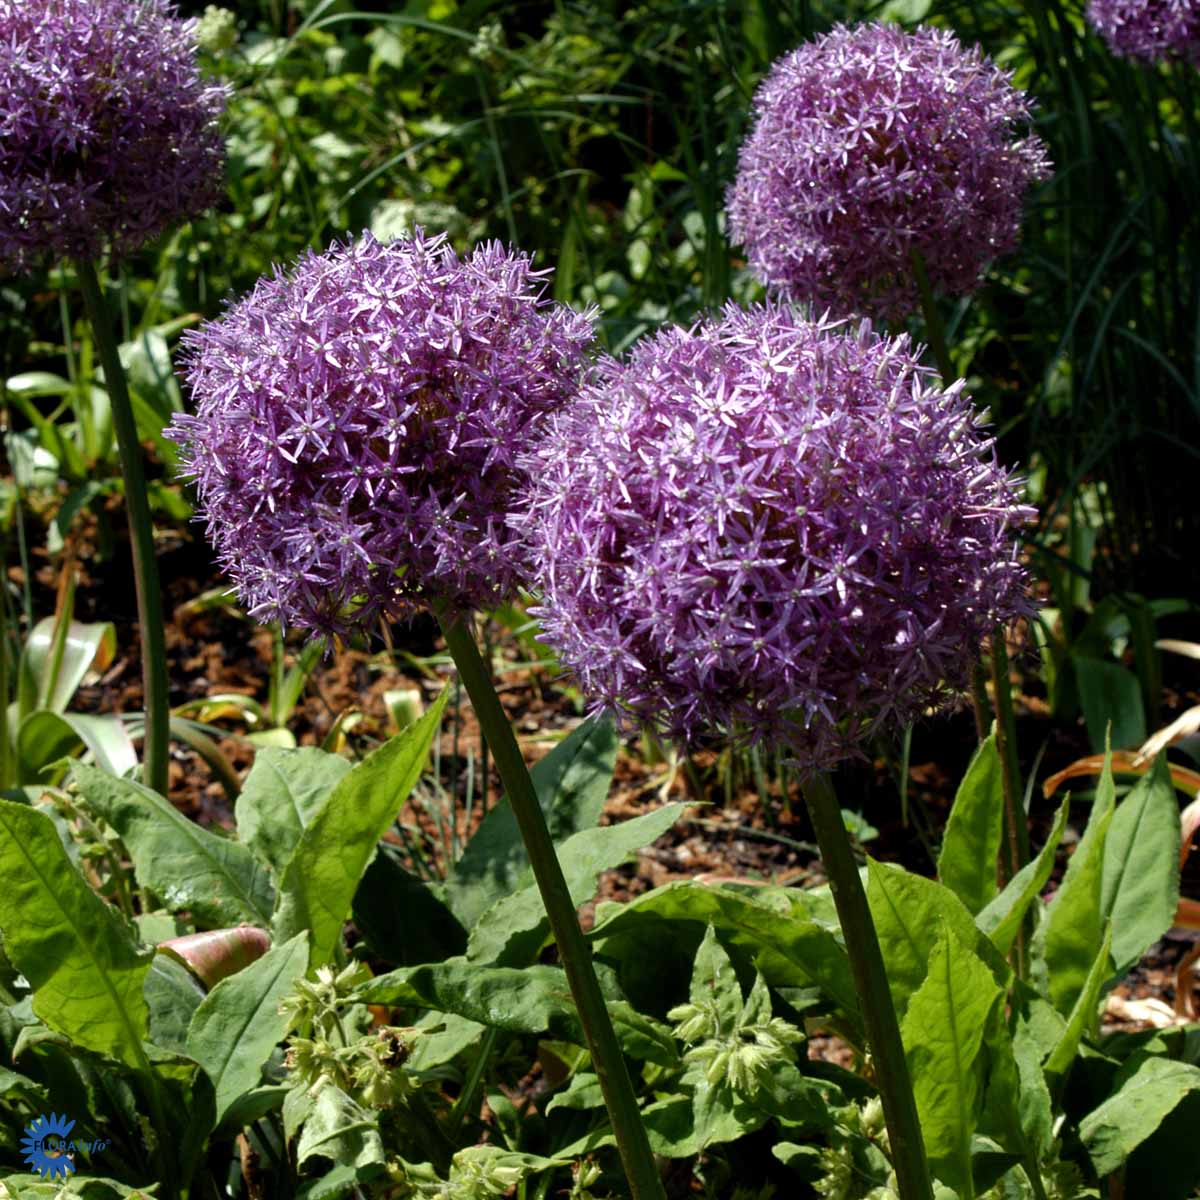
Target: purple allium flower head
x=357, y=425
x=773, y=527
x=1152, y=30
x=108, y=131
x=869, y=144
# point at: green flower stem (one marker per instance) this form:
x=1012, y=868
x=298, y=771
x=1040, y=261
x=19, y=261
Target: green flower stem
x=871, y=983
x=141, y=531
x=572, y=948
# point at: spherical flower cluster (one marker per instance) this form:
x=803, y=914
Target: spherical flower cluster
x=108, y=132
x=775, y=528
x=357, y=424
x=1152, y=30
x=872, y=144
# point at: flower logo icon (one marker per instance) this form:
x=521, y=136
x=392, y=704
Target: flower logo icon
x=45, y=1146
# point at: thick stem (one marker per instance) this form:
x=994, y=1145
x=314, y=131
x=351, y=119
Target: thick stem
x=871, y=983
x=141, y=536
x=572, y=948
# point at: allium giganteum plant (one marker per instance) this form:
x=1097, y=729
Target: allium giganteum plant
x=775, y=528
x=108, y=132
x=1150, y=30
x=871, y=145
x=357, y=427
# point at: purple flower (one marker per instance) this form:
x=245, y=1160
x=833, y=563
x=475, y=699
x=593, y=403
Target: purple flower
x=1152, y=30
x=108, y=132
x=776, y=528
x=357, y=425
x=868, y=145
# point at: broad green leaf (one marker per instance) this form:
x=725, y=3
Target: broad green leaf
x=943, y=1032
x=106, y=738
x=1145, y=1096
x=15, y=1088
x=173, y=994
x=1111, y=698
x=238, y=1023
x=1002, y=918
x=249, y=1107
x=967, y=863
x=187, y=867
x=1065, y=943
x=1083, y=1015
x=455, y=1035
x=1016, y=1109
x=714, y=982
x=572, y=783
x=1140, y=890
x=402, y=918
x=583, y=1093
x=340, y=1130
x=43, y=739
x=317, y=888
x=282, y=792
x=909, y=913
x=533, y=999
x=58, y=673
x=771, y=925
x=86, y=970
x=512, y=931
x=683, y=1125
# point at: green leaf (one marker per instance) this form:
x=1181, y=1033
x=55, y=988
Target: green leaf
x=512, y=931
x=1083, y=1015
x=43, y=739
x=572, y=784
x=1064, y=945
x=771, y=925
x=1016, y=1109
x=402, y=918
x=187, y=867
x=533, y=999
x=909, y=913
x=1140, y=890
x=106, y=738
x=59, y=673
x=86, y=970
x=340, y=1130
x=282, y=792
x=173, y=994
x=967, y=863
x=715, y=982
x=239, y=1022
x=1147, y=1093
x=582, y=1093
x=943, y=1031
x=1001, y=919
x=318, y=885
x=682, y=1126
x=251, y=1106
x=1110, y=697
